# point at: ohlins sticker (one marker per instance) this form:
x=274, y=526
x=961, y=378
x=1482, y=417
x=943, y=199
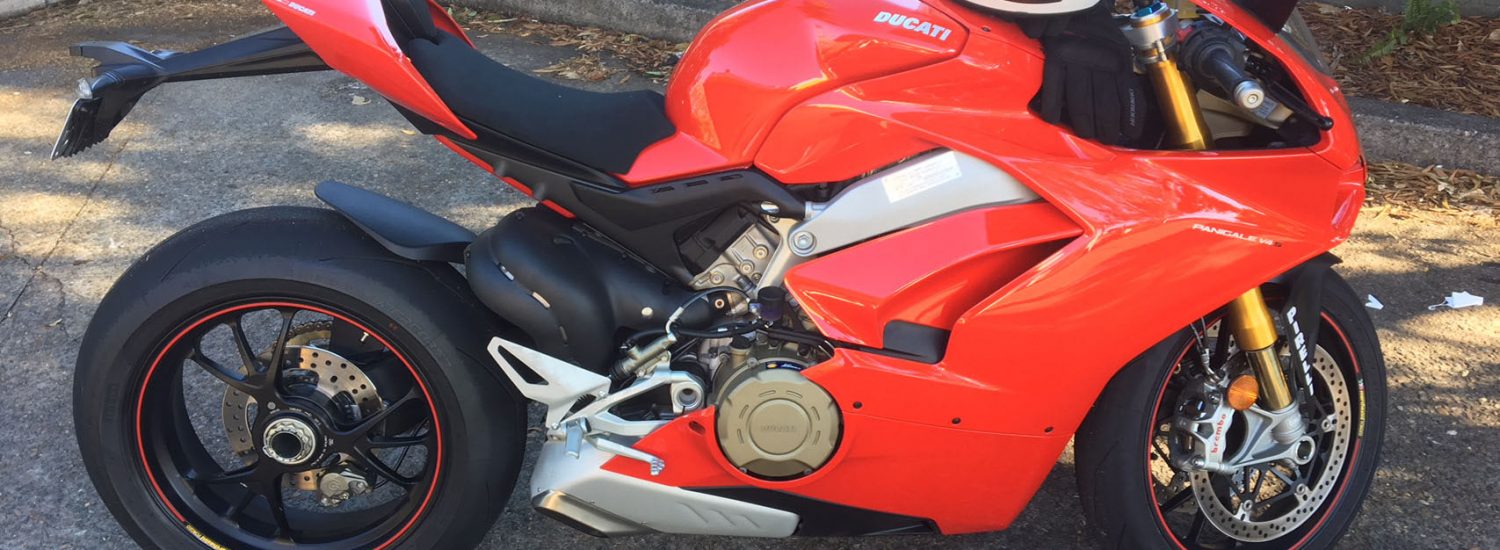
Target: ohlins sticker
x=913, y=24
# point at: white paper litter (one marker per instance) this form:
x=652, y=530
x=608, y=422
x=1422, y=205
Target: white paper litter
x=1459, y=300
x=1373, y=303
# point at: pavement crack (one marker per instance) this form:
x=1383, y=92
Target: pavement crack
x=37, y=269
x=14, y=248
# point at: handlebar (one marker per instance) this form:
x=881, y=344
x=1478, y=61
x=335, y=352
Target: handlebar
x=1216, y=58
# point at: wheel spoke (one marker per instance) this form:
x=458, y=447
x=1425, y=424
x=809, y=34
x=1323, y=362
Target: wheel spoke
x=244, y=474
x=233, y=379
x=1197, y=527
x=273, y=369
x=239, y=505
x=242, y=345
x=373, y=463
x=424, y=439
x=362, y=430
x=1161, y=452
x=1177, y=500
x=271, y=490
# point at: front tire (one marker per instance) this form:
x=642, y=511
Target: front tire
x=325, y=291
x=1120, y=456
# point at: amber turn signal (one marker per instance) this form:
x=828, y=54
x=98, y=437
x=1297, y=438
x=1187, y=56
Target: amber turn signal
x=1243, y=392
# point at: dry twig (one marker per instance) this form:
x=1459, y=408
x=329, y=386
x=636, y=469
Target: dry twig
x=1433, y=188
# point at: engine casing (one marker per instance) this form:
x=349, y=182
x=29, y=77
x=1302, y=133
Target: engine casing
x=775, y=423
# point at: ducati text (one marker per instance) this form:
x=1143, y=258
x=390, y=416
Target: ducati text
x=913, y=24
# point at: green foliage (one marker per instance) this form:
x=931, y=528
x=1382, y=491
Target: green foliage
x=1422, y=17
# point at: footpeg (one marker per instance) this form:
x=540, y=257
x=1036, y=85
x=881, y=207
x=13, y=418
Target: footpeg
x=574, y=437
x=604, y=444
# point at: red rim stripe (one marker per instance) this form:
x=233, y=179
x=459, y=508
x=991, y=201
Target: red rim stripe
x=141, y=401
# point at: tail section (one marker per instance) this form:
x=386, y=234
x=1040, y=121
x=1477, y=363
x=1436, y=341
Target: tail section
x=125, y=73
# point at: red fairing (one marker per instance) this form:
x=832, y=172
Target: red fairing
x=1046, y=302
x=935, y=280
x=753, y=63
x=881, y=464
x=353, y=37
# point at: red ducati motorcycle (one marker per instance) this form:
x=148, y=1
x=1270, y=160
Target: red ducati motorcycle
x=842, y=279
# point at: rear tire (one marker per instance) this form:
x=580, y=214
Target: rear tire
x=319, y=262
x=1115, y=443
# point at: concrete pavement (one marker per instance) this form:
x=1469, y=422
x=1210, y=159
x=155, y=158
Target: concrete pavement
x=191, y=151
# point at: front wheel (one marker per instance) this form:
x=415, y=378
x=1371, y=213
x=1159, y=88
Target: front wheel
x=1164, y=460
x=274, y=377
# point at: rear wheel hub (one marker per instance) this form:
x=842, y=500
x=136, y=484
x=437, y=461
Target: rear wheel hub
x=291, y=440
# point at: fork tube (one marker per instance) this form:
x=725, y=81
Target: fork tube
x=1152, y=33
x=1179, y=105
x=1253, y=328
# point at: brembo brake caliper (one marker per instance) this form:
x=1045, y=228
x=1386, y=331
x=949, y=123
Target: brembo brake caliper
x=1204, y=419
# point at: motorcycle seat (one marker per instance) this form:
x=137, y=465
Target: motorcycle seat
x=603, y=131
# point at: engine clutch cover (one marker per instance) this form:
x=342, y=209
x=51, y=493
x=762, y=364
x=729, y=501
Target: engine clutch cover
x=775, y=423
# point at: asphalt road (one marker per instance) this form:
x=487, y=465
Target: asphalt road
x=191, y=151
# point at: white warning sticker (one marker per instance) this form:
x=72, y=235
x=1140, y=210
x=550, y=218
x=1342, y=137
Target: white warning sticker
x=921, y=176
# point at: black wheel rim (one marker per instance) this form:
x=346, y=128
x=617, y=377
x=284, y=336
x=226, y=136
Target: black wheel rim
x=249, y=503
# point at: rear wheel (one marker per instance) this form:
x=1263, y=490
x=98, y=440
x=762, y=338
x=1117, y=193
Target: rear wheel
x=275, y=377
x=1163, y=460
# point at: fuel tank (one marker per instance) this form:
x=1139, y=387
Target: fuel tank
x=753, y=63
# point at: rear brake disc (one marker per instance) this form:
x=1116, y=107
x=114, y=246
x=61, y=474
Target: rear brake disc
x=335, y=375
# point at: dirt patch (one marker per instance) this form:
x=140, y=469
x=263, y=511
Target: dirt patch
x=1456, y=69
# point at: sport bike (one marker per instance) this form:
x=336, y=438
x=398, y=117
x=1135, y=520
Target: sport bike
x=841, y=279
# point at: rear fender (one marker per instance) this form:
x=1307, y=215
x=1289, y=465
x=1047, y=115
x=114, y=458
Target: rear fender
x=403, y=229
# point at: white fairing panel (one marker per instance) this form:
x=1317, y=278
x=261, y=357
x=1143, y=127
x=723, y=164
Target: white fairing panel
x=925, y=188
x=655, y=506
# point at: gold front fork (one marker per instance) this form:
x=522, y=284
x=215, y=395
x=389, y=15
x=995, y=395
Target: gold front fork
x=1153, y=36
x=1250, y=321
